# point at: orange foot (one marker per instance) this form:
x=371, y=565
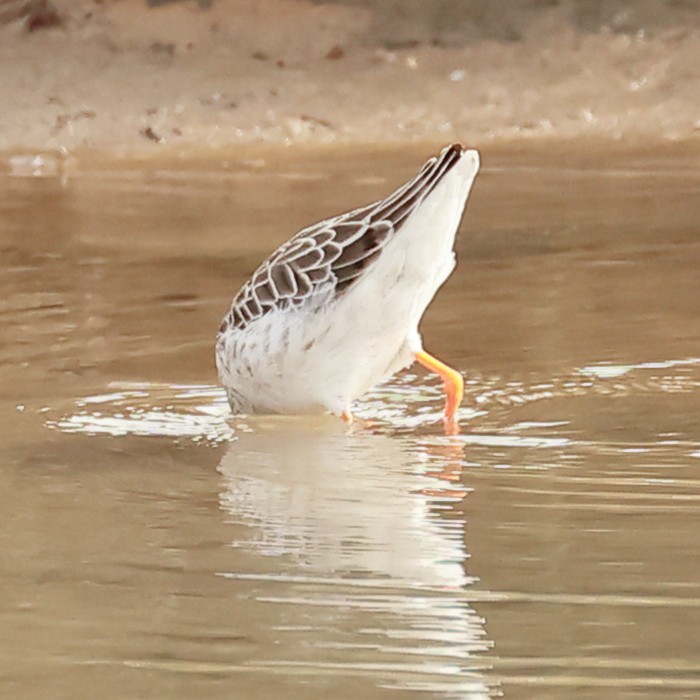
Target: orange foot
x=355, y=422
x=454, y=388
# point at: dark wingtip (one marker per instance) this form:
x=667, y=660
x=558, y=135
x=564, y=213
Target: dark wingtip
x=451, y=154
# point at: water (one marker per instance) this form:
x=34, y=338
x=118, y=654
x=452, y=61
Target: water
x=152, y=547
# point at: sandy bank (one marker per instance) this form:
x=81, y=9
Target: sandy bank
x=125, y=78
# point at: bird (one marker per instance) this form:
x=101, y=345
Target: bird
x=336, y=309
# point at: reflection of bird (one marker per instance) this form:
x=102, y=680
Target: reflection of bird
x=335, y=310
x=351, y=540
x=378, y=510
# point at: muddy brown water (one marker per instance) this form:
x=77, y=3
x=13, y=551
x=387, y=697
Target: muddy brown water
x=150, y=547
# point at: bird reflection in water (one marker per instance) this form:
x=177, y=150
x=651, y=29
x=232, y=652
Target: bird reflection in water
x=367, y=532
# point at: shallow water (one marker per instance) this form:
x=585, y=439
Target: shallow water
x=154, y=548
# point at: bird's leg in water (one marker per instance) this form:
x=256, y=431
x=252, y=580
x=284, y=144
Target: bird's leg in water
x=454, y=387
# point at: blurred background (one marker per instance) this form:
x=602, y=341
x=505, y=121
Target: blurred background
x=131, y=75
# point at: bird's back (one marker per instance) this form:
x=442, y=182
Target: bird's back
x=336, y=309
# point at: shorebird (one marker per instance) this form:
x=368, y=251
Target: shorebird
x=335, y=310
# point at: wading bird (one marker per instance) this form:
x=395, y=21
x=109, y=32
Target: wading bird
x=335, y=310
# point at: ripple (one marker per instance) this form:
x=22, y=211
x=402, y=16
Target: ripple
x=408, y=404
x=197, y=412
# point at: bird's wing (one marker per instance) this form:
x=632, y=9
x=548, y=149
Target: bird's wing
x=325, y=260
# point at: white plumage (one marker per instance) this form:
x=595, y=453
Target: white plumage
x=336, y=309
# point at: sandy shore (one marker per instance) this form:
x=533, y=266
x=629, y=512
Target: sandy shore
x=128, y=79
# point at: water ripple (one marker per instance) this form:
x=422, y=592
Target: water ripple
x=406, y=405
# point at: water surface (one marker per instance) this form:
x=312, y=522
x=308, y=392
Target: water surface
x=153, y=547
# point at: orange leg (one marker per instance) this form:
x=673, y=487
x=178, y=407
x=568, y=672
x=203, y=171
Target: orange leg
x=353, y=421
x=454, y=387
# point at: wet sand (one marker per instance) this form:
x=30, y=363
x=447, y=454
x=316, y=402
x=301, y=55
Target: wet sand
x=153, y=547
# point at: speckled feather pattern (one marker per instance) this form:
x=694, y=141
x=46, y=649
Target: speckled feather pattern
x=334, y=253
x=300, y=334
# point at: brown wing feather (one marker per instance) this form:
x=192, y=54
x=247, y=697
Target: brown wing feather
x=325, y=260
